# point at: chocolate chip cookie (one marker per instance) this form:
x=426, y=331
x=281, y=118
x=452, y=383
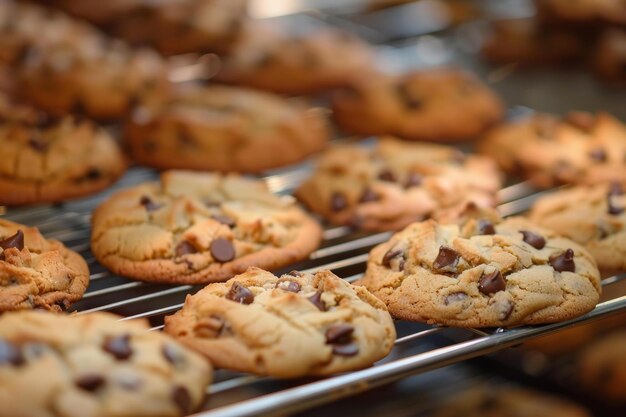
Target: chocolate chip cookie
x=440, y=105
x=225, y=129
x=395, y=183
x=53, y=160
x=498, y=400
x=291, y=64
x=594, y=216
x=289, y=326
x=36, y=272
x=197, y=228
x=602, y=367
x=95, y=365
x=485, y=273
x=580, y=148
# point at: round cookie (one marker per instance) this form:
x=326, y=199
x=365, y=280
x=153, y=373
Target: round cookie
x=483, y=274
x=95, y=365
x=489, y=399
x=395, y=183
x=48, y=160
x=197, y=228
x=36, y=272
x=580, y=148
x=440, y=105
x=275, y=61
x=602, y=367
x=295, y=325
x=594, y=216
x=224, y=129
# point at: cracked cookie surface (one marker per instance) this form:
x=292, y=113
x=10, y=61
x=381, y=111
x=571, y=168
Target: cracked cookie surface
x=594, y=216
x=225, y=129
x=439, y=105
x=289, y=326
x=581, y=148
x=395, y=183
x=36, y=272
x=197, y=228
x=47, y=160
x=56, y=365
x=486, y=273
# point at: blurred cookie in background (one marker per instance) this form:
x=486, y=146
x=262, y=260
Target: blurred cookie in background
x=602, y=367
x=609, y=59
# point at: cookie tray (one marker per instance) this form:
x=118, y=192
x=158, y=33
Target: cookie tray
x=344, y=252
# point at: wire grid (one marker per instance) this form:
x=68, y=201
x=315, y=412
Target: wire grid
x=343, y=251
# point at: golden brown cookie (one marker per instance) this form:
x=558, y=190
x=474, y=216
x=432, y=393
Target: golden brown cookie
x=485, y=273
x=36, y=272
x=439, y=105
x=197, y=228
x=225, y=129
x=290, y=326
x=395, y=183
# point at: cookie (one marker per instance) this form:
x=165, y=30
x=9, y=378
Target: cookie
x=295, y=325
x=290, y=64
x=609, y=58
x=396, y=183
x=580, y=148
x=36, y=272
x=498, y=400
x=593, y=216
x=439, y=105
x=197, y=228
x=582, y=12
x=48, y=160
x=224, y=129
x=95, y=365
x=485, y=273
x=602, y=367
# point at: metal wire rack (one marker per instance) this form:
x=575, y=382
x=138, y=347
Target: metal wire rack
x=343, y=251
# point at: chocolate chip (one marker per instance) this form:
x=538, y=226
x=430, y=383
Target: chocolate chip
x=240, y=294
x=93, y=174
x=10, y=354
x=45, y=120
x=182, y=399
x=316, y=300
x=387, y=175
x=225, y=220
x=222, y=250
x=446, y=260
x=89, y=382
x=485, y=227
x=392, y=254
x=491, y=283
x=185, y=248
x=407, y=98
x=563, y=262
x=454, y=297
x=533, y=239
x=368, y=195
x=349, y=349
x=149, y=204
x=15, y=241
x=413, y=180
x=338, y=201
x=118, y=346
x=172, y=354
x=598, y=154
x=288, y=285
x=37, y=143
x=339, y=334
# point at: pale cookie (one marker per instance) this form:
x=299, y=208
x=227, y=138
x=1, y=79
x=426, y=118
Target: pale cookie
x=491, y=400
x=602, y=367
x=197, y=228
x=439, y=105
x=48, y=160
x=396, y=183
x=290, y=326
x=225, y=129
x=54, y=365
x=36, y=272
x=290, y=64
x=483, y=274
x=579, y=149
x=594, y=216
